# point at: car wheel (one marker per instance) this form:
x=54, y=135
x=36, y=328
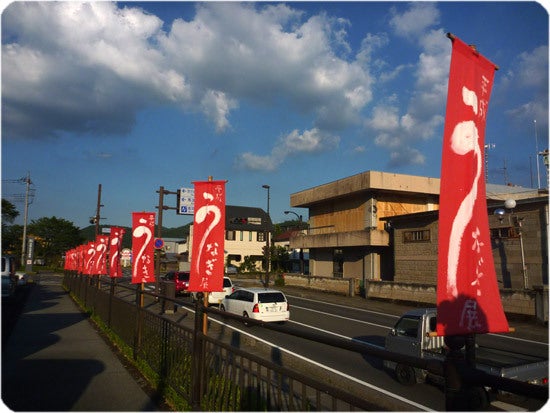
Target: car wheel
x=245, y=315
x=222, y=307
x=405, y=374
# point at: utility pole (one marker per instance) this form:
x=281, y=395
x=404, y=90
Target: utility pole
x=487, y=147
x=267, y=247
x=537, y=153
x=161, y=207
x=97, y=217
x=98, y=208
x=28, y=183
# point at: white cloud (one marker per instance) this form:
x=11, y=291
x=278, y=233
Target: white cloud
x=533, y=68
x=92, y=66
x=217, y=106
x=416, y=20
x=293, y=144
x=406, y=156
x=396, y=129
x=527, y=80
x=384, y=118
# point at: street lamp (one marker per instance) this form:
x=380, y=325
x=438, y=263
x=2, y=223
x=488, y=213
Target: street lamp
x=267, y=252
x=297, y=216
x=301, y=249
x=510, y=204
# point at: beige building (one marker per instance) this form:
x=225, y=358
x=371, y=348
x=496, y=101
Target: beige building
x=347, y=234
x=246, y=229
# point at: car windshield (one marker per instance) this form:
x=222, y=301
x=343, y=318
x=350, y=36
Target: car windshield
x=226, y=282
x=271, y=298
x=183, y=276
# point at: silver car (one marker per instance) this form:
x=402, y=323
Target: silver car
x=257, y=303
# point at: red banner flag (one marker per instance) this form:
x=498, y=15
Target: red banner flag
x=69, y=262
x=207, y=259
x=468, y=299
x=89, y=258
x=115, y=247
x=101, y=254
x=80, y=254
x=143, y=252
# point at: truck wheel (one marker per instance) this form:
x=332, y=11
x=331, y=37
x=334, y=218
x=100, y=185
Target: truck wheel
x=405, y=374
x=478, y=399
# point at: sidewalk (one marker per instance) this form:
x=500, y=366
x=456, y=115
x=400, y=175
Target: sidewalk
x=55, y=360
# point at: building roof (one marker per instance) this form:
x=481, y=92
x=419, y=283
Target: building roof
x=491, y=205
x=242, y=218
x=375, y=181
x=368, y=181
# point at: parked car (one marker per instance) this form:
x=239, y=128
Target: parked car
x=181, y=279
x=216, y=297
x=231, y=269
x=8, y=286
x=257, y=303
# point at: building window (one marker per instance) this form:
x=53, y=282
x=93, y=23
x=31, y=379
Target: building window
x=250, y=236
x=416, y=236
x=260, y=237
x=242, y=235
x=230, y=235
x=504, y=232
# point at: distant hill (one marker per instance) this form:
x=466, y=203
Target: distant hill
x=88, y=234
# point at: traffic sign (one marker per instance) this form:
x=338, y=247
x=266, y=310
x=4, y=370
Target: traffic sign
x=186, y=201
x=159, y=243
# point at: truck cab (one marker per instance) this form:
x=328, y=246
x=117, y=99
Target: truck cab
x=411, y=336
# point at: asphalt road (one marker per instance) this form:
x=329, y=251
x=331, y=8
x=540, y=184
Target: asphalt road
x=357, y=319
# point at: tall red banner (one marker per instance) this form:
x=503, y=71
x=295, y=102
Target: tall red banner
x=115, y=247
x=207, y=259
x=143, y=252
x=89, y=258
x=468, y=299
x=101, y=254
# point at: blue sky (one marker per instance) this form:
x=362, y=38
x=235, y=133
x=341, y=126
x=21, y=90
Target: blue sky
x=136, y=95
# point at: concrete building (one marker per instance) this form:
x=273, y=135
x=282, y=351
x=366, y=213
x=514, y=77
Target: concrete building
x=348, y=234
x=520, y=253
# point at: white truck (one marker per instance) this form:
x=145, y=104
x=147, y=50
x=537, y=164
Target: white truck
x=411, y=336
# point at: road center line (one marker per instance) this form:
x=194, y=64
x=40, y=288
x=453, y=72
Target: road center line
x=342, y=317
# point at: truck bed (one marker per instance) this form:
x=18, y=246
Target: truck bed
x=500, y=358
x=523, y=367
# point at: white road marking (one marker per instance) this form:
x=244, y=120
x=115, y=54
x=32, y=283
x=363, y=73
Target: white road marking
x=361, y=382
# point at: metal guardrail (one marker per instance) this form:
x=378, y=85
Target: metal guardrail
x=210, y=374
x=213, y=375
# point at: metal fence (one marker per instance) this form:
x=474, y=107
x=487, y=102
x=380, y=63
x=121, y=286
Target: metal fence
x=209, y=374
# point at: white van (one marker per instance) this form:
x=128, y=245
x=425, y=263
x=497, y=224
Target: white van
x=216, y=297
x=258, y=303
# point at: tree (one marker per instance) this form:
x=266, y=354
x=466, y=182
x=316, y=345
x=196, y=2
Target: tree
x=54, y=236
x=11, y=239
x=9, y=212
x=279, y=257
x=11, y=234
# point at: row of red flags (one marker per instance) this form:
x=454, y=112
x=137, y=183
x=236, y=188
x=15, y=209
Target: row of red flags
x=91, y=258
x=468, y=299
x=103, y=256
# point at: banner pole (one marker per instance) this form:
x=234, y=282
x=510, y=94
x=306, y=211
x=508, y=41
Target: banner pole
x=205, y=302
